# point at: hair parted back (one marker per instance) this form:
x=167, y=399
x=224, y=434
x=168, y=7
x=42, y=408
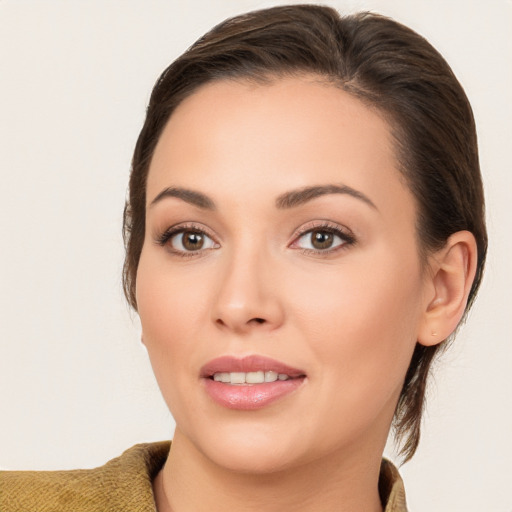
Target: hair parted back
x=379, y=61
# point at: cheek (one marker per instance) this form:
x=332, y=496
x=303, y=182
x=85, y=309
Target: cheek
x=168, y=302
x=171, y=312
x=362, y=345
x=360, y=322
x=359, y=296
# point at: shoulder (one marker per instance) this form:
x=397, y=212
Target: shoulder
x=124, y=483
x=391, y=488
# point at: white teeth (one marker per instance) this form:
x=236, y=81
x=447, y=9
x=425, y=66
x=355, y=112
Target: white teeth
x=222, y=377
x=254, y=377
x=237, y=378
x=270, y=376
x=258, y=377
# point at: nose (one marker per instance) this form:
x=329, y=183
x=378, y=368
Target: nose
x=249, y=295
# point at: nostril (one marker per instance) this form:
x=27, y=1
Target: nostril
x=238, y=320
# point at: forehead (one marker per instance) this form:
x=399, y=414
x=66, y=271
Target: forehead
x=291, y=132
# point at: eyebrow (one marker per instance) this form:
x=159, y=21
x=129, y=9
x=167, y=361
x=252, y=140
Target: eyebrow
x=297, y=197
x=189, y=196
x=287, y=200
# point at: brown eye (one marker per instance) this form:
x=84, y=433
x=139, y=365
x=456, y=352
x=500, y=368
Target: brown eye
x=192, y=240
x=321, y=239
x=189, y=241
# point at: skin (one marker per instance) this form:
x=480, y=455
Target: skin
x=349, y=317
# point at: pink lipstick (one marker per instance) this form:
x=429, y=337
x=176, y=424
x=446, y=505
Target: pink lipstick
x=249, y=383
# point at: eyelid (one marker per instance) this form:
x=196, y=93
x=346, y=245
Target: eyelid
x=162, y=238
x=328, y=225
x=339, y=230
x=332, y=227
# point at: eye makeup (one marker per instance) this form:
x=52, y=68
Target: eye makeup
x=186, y=240
x=317, y=238
x=325, y=238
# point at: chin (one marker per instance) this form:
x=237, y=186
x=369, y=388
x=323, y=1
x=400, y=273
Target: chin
x=251, y=460
x=255, y=450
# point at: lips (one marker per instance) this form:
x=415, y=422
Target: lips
x=229, y=364
x=249, y=383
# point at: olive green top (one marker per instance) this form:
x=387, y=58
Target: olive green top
x=124, y=484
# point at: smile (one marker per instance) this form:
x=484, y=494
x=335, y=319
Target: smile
x=249, y=383
x=258, y=377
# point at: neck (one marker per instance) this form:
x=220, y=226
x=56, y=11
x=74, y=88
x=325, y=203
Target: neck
x=338, y=483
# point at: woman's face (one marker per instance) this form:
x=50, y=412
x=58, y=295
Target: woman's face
x=280, y=239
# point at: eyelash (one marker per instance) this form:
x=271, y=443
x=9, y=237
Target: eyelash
x=344, y=234
x=324, y=226
x=164, y=238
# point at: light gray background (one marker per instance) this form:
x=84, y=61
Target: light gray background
x=76, y=387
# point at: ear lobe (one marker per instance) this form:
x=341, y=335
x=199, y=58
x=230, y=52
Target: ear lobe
x=452, y=273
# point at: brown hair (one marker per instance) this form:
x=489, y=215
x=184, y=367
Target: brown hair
x=379, y=61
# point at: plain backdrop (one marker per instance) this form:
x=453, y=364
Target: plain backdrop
x=76, y=387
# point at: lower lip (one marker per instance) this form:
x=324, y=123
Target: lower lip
x=249, y=397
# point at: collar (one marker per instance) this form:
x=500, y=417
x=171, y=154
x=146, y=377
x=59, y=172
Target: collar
x=125, y=483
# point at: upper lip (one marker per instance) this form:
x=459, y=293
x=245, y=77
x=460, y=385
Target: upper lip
x=253, y=363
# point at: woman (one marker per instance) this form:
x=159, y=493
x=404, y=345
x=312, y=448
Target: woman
x=304, y=230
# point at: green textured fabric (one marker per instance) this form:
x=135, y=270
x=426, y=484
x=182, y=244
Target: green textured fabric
x=391, y=488
x=124, y=484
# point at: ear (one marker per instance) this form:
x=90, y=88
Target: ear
x=451, y=274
